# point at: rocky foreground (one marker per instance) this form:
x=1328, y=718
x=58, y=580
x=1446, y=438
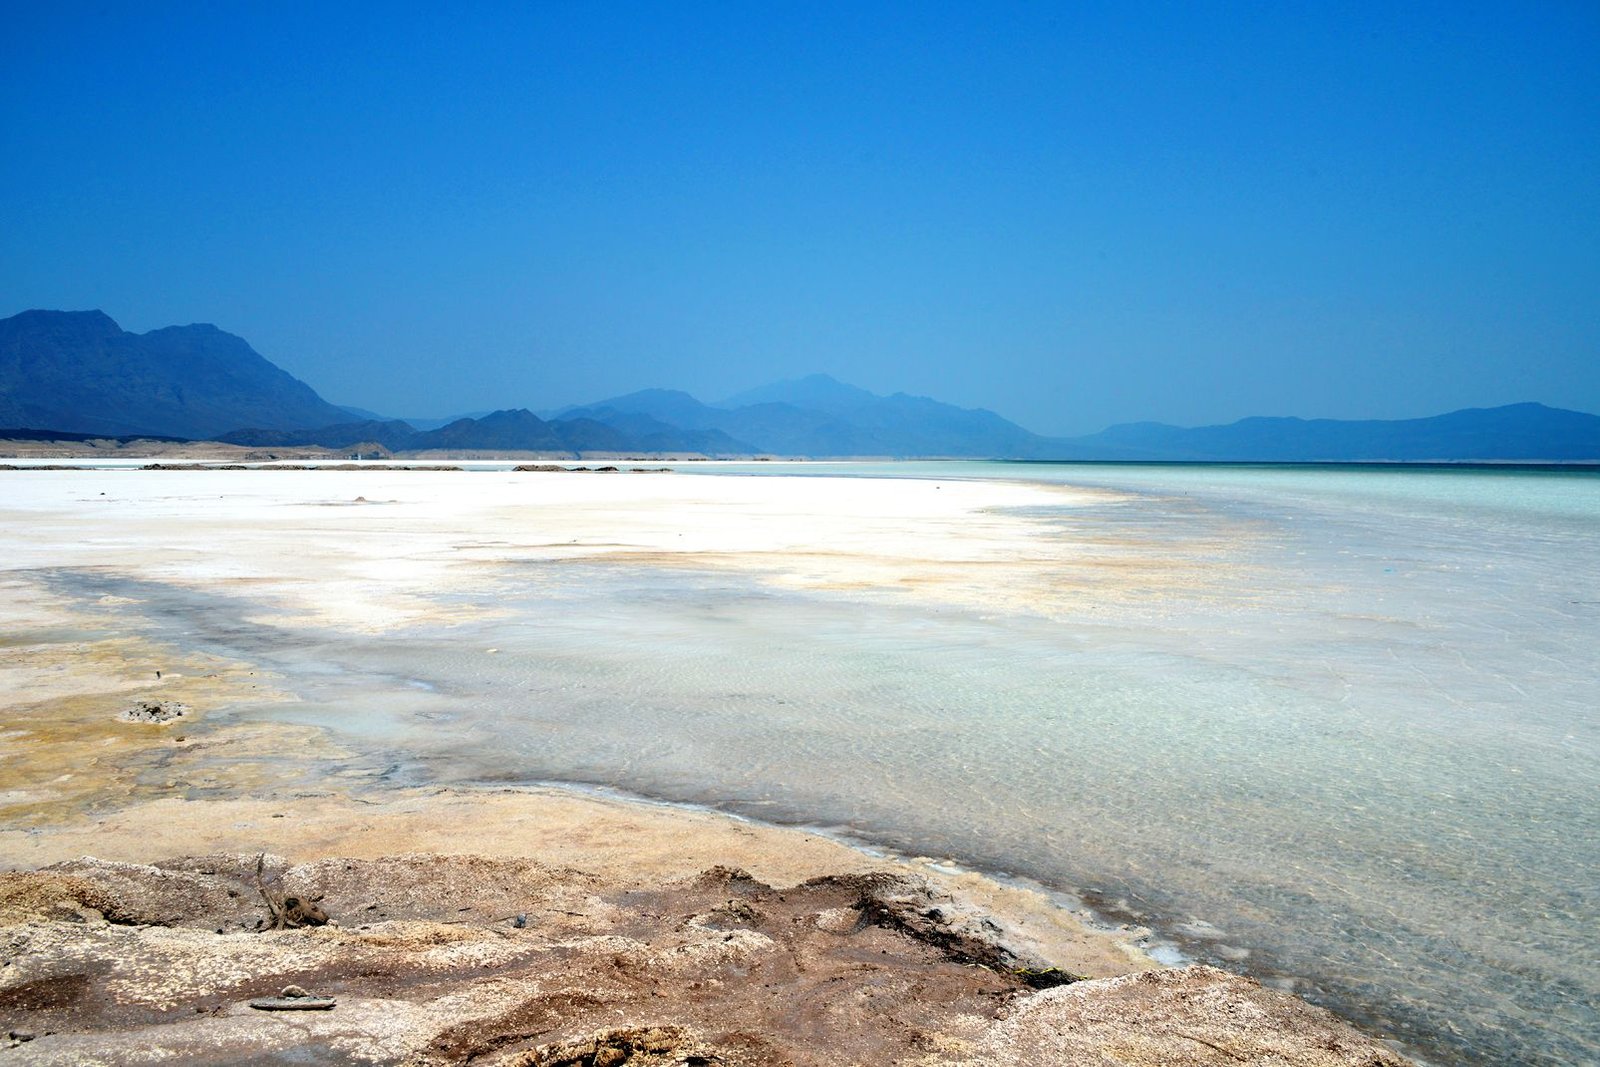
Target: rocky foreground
x=433, y=959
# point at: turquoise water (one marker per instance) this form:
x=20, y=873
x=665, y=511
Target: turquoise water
x=1335, y=728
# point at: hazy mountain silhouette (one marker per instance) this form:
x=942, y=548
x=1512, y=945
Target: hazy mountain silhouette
x=819, y=416
x=390, y=433
x=646, y=432
x=421, y=422
x=364, y=415
x=1512, y=432
x=814, y=392
x=513, y=430
x=516, y=430
x=80, y=371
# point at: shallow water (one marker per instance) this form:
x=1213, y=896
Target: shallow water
x=1335, y=728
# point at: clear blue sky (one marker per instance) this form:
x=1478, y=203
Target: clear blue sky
x=1073, y=214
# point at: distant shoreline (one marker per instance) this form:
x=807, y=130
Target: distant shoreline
x=42, y=453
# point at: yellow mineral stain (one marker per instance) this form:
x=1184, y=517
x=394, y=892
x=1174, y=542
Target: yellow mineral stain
x=69, y=750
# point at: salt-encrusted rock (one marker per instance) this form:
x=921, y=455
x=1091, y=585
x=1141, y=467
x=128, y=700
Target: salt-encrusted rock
x=1172, y=1018
x=637, y=1046
x=306, y=1003
x=156, y=712
x=717, y=968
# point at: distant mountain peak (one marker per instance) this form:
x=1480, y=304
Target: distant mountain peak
x=37, y=314
x=818, y=415
x=93, y=321
x=815, y=392
x=674, y=394
x=198, y=329
x=823, y=381
x=510, y=415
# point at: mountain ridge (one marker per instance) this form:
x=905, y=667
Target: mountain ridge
x=818, y=392
x=80, y=373
x=1526, y=430
x=855, y=422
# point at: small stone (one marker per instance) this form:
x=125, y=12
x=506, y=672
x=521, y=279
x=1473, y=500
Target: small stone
x=154, y=711
x=293, y=991
x=22, y=1035
x=520, y=921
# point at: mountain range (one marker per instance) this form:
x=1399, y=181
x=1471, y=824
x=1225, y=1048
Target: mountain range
x=79, y=373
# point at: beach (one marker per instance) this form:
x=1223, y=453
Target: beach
x=627, y=680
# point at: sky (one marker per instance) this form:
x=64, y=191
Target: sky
x=1072, y=214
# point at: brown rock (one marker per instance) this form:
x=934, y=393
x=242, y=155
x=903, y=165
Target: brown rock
x=719, y=968
x=1172, y=1018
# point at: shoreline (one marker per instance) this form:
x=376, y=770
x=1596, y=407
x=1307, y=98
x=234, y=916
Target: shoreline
x=374, y=607
x=557, y=825
x=476, y=899
x=1146, y=945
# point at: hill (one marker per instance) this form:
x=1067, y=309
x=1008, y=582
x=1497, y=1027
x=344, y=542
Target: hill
x=819, y=416
x=1530, y=432
x=79, y=371
x=814, y=392
x=517, y=430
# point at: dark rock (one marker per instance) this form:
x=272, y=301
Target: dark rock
x=154, y=711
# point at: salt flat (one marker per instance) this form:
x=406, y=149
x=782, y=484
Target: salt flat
x=369, y=549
